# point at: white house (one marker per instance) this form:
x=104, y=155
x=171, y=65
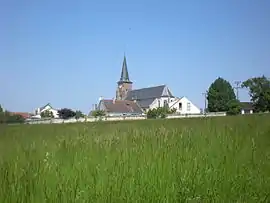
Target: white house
x=184, y=106
x=47, y=107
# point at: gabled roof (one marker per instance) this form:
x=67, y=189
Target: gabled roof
x=149, y=93
x=121, y=106
x=247, y=106
x=43, y=107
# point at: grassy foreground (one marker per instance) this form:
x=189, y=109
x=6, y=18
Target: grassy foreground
x=188, y=160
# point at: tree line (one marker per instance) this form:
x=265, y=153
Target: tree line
x=221, y=96
x=65, y=113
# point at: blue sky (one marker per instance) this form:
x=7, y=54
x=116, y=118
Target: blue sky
x=70, y=53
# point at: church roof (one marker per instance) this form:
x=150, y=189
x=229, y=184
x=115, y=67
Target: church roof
x=146, y=96
x=124, y=73
x=149, y=93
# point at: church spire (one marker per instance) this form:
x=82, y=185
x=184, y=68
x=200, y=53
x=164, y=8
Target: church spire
x=124, y=73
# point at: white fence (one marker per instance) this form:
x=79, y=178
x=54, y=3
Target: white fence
x=118, y=118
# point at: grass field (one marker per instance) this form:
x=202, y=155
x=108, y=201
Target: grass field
x=223, y=159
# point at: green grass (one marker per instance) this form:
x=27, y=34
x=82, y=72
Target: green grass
x=224, y=159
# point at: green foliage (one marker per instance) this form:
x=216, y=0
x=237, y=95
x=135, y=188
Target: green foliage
x=222, y=159
x=47, y=114
x=234, y=107
x=6, y=117
x=79, y=114
x=159, y=112
x=66, y=113
x=1, y=109
x=259, y=91
x=98, y=113
x=219, y=95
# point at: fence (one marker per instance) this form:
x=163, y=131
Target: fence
x=117, y=118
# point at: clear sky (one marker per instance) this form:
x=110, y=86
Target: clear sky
x=70, y=53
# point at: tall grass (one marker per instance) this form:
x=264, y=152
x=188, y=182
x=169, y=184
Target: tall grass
x=189, y=160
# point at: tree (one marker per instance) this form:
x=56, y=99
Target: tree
x=47, y=114
x=66, y=113
x=160, y=112
x=1, y=109
x=98, y=113
x=219, y=94
x=234, y=107
x=79, y=114
x=259, y=91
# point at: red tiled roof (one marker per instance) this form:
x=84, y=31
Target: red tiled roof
x=23, y=114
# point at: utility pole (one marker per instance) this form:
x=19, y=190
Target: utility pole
x=237, y=87
x=205, y=99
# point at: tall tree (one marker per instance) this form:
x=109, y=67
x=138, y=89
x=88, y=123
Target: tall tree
x=1, y=109
x=259, y=91
x=220, y=94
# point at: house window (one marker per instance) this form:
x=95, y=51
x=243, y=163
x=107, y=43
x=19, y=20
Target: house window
x=180, y=106
x=188, y=106
x=158, y=103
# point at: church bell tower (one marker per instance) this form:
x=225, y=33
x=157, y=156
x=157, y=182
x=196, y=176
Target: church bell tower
x=124, y=84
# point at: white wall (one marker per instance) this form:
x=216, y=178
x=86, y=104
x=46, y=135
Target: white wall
x=187, y=106
x=159, y=102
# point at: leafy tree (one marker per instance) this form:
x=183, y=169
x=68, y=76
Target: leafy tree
x=98, y=113
x=219, y=94
x=1, y=109
x=259, y=91
x=66, y=113
x=152, y=113
x=234, y=107
x=160, y=112
x=47, y=114
x=79, y=114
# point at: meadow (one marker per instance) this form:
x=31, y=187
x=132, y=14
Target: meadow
x=224, y=159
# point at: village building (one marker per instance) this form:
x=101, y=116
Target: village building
x=47, y=107
x=246, y=108
x=131, y=101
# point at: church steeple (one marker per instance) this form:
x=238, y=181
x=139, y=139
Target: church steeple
x=124, y=84
x=124, y=73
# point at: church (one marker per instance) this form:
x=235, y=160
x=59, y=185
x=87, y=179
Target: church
x=131, y=102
